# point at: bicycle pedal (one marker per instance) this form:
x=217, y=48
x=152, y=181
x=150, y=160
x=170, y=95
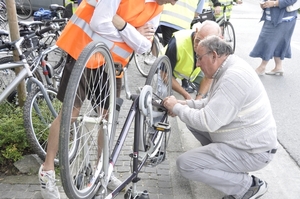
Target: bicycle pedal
x=160, y=126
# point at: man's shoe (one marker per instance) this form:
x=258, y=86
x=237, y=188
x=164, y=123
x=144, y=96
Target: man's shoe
x=189, y=89
x=47, y=180
x=260, y=188
x=185, y=84
x=113, y=183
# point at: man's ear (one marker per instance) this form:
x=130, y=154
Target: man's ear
x=215, y=55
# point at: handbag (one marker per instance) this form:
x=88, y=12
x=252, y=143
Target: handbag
x=293, y=7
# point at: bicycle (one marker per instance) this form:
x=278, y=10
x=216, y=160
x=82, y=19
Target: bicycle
x=228, y=32
x=41, y=105
x=90, y=171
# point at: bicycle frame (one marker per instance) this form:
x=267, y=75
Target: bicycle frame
x=134, y=114
x=110, y=157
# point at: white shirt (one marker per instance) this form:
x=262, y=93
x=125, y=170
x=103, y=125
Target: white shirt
x=101, y=23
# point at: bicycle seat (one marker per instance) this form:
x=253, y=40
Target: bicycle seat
x=55, y=7
x=29, y=23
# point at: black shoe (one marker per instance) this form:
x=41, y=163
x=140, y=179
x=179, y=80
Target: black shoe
x=189, y=89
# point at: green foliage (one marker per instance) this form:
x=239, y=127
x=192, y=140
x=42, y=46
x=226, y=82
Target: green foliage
x=13, y=140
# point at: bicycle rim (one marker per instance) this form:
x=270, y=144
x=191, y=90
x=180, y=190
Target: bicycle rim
x=229, y=35
x=144, y=61
x=37, y=119
x=160, y=79
x=81, y=176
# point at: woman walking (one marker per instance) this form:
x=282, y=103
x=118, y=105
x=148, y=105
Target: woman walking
x=275, y=36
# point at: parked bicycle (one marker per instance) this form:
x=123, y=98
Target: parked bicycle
x=41, y=106
x=89, y=171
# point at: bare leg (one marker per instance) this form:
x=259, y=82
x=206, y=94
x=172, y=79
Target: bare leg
x=53, y=140
x=260, y=70
x=278, y=64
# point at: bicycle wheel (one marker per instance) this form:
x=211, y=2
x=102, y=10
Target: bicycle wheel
x=160, y=79
x=94, y=91
x=24, y=9
x=144, y=61
x=38, y=118
x=229, y=34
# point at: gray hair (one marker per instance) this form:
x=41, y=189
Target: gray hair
x=215, y=43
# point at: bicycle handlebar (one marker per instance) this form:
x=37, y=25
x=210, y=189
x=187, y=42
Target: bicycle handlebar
x=10, y=45
x=39, y=32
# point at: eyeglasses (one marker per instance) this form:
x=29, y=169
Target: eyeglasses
x=200, y=57
x=197, y=40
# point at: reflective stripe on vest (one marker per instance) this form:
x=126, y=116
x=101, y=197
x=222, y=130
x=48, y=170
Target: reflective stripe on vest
x=180, y=14
x=96, y=37
x=185, y=65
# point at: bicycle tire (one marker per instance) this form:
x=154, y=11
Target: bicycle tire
x=24, y=9
x=229, y=35
x=38, y=119
x=161, y=88
x=143, y=61
x=81, y=177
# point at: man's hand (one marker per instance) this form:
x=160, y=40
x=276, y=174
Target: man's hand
x=147, y=31
x=169, y=103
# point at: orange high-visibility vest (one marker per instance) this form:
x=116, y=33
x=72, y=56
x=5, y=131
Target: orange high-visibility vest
x=77, y=33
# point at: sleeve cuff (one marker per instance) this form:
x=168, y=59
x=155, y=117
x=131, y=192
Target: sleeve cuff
x=123, y=27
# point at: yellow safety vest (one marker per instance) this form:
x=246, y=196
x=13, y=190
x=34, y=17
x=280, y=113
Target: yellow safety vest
x=184, y=67
x=180, y=14
x=73, y=5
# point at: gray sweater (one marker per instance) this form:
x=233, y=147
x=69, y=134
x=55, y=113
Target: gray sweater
x=237, y=110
